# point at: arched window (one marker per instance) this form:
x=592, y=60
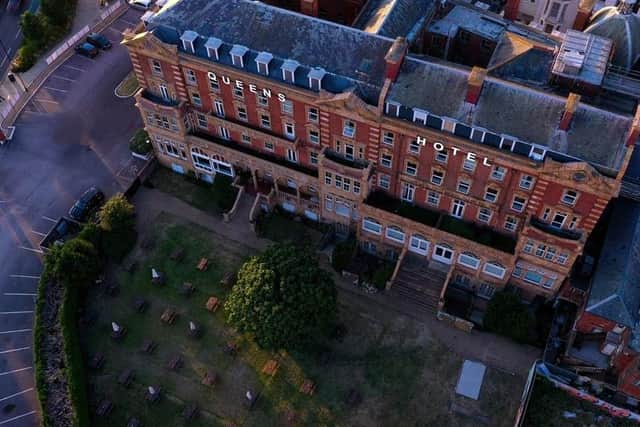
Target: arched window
x=395, y=233
x=494, y=269
x=469, y=260
x=371, y=225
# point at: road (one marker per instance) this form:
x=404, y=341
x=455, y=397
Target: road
x=73, y=134
x=10, y=34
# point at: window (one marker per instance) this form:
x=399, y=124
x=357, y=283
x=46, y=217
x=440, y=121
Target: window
x=392, y=108
x=292, y=156
x=537, y=153
x=533, y=277
x=312, y=115
x=263, y=100
x=437, y=177
x=356, y=187
x=550, y=254
x=469, y=260
x=338, y=181
x=518, y=203
x=457, y=209
x=328, y=203
x=289, y=131
x=214, y=85
x=314, y=83
x=408, y=192
x=219, y=108
x=545, y=214
x=164, y=92
x=328, y=178
x=190, y=76
x=414, y=147
x=386, y=160
x=313, y=158
x=388, y=137
x=314, y=136
x=246, y=138
x=463, y=186
x=195, y=98
x=558, y=219
x=433, y=198
x=201, y=160
x=238, y=92
x=412, y=168
x=268, y=145
x=342, y=208
x=484, y=215
x=265, y=121
x=469, y=164
x=384, y=181
x=241, y=112
x=224, y=133
x=569, y=197
x=156, y=67
x=494, y=269
x=395, y=233
x=498, y=173
x=202, y=120
x=528, y=247
x=419, y=116
x=573, y=223
x=491, y=195
x=349, y=151
x=287, y=107
x=510, y=224
x=418, y=244
x=349, y=129
x=443, y=254
x=526, y=182
x=346, y=184
x=442, y=156
x=486, y=290
x=562, y=258
x=371, y=225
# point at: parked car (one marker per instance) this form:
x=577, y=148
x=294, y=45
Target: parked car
x=99, y=41
x=89, y=201
x=141, y=4
x=13, y=5
x=87, y=49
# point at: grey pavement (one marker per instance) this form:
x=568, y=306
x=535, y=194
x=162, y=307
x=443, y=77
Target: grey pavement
x=73, y=134
x=10, y=33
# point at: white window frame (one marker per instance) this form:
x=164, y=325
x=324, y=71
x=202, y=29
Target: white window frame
x=418, y=244
x=497, y=267
x=420, y=116
x=219, y=108
x=439, y=178
x=483, y=216
x=388, y=137
x=463, y=185
x=349, y=129
x=386, y=160
x=384, y=181
x=523, y=203
x=433, y=198
x=469, y=260
x=568, y=198
x=443, y=250
x=392, y=108
x=399, y=237
x=457, y=208
x=371, y=226
x=498, y=173
x=526, y=182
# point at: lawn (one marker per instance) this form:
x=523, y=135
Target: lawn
x=400, y=371
x=128, y=86
x=214, y=199
x=279, y=227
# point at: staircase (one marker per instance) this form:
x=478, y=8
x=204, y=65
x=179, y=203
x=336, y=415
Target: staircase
x=419, y=283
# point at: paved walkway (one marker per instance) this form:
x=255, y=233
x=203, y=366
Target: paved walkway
x=493, y=350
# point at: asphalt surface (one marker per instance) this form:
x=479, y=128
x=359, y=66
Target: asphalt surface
x=72, y=135
x=10, y=33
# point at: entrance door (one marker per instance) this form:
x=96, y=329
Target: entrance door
x=442, y=254
x=164, y=92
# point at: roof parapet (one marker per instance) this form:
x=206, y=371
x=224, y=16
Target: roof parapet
x=475, y=81
x=394, y=58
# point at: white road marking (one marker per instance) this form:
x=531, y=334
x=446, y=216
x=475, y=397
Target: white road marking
x=38, y=251
x=17, y=417
x=18, y=33
x=20, y=294
x=15, y=331
x=53, y=88
x=13, y=350
x=49, y=219
x=50, y=101
x=17, y=312
x=24, y=276
x=127, y=22
x=64, y=78
x=16, y=394
x=38, y=233
x=15, y=371
x=74, y=68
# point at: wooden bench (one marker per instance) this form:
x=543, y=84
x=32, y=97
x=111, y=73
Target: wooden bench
x=308, y=387
x=96, y=362
x=212, y=304
x=168, y=316
x=187, y=289
x=125, y=378
x=104, y=408
x=140, y=304
x=133, y=422
x=203, y=264
x=210, y=378
x=271, y=367
x=175, y=363
x=190, y=411
x=148, y=346
x=228, y=279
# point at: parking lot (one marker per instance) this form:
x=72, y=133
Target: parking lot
x=73, y=134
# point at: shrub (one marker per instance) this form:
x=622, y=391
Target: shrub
x=225, y=192
x=25, y=58
x=117, y=222
x=34, y=27
x=508, y=316
x=77, y=263
x=381, y=275
x=343, y=254
x=139, y=143
x=283, y=298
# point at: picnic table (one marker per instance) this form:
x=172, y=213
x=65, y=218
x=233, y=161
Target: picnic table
x=140, y=304
x=97, y=361
x=212, y=304
x=126, y=377
x=104, y=408
x=210, y=378
x=231, y=348
x=190, y=411
x=228, y=279
x=168, y=316
x=134, y=422
x=148, y=346
x=271, y=367
x=177, y=254
x=203, y=264
x=308, y=387
x=187, y=289
x=175, y=363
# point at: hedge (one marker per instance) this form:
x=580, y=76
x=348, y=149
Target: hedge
x=38, y=340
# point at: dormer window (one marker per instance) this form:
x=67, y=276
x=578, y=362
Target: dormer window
x=188, y=39
x=420, y=116
x=237, y=55
x=537, y=153
x=392, y=108
x=288, y=70
x=262, y=62
x=315, y=78
x=213, y=48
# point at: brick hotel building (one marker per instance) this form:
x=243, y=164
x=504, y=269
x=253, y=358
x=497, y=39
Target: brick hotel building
x=494, y=179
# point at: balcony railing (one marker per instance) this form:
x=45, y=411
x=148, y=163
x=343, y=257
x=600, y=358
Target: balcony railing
x=548, y=228
x=148, y=95
x=340, y=159
x=264, y=156
x=440, y=221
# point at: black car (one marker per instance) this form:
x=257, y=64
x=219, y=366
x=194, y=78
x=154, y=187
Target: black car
x=99, y=41
x=87, y=49
x=90, y=200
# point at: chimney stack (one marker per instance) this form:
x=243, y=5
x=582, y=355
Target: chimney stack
x=309, y=7
x=569, y=109
x=511, y=9
x=474, y=84
x=395, y=57
x=634, y=132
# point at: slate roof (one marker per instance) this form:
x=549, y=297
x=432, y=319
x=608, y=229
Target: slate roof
x=623, y=29
x=394, y=18
x=615, y=289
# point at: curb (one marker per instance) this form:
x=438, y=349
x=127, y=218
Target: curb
x=115, y=91
x=42, y=77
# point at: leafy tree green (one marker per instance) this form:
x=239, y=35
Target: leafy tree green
x=283, y=298
x=343, y=254
x=33, y=26
x=508, y=316
x=77, y=263
x=117, y=222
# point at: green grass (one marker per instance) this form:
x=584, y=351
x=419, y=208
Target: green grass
x=214, y=199
x=128, y=86
x=281, y=228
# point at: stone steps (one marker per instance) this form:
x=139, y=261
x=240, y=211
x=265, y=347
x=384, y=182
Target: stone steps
x=419, y=285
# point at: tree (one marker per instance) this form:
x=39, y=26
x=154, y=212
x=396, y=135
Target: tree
x=76, y=263
x=33, y=27
x=283, y=297
x=506, y=315
x=117, y=221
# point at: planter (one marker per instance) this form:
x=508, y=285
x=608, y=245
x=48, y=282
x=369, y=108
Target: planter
x=144, y=157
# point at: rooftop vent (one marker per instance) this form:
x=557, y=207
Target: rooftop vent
x=213, y=45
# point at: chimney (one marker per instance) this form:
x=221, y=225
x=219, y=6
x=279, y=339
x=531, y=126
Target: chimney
x=394, y=58
x=582, y=19
x=309, y=7
x=570, y=107
x=511, y=9
x=474, y=84
x=634, y=132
